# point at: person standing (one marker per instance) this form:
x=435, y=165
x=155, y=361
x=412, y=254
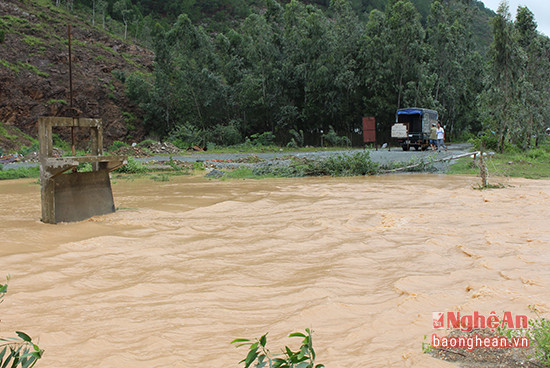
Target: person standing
x=440, y=137
x=433, y=136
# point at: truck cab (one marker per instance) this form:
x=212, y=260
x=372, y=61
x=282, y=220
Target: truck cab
x=412, y=127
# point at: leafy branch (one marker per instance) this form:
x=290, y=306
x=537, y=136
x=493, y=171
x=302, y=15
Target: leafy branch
x=259, y=355
x=17, y=351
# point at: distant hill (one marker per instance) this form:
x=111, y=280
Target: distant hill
x=34, y=69
x=219, y=15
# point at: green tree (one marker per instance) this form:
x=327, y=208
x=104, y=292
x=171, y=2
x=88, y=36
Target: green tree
x=347, y=98
x=454, y=63
x=407, y=40
x=123, y=9
x=501, y=101
x=375, y=71
x=534, y=91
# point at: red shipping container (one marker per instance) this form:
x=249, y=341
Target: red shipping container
x=369, y=129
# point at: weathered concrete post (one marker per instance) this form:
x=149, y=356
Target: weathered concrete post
x=79, y=195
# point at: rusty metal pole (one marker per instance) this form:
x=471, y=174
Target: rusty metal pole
x=71, y=89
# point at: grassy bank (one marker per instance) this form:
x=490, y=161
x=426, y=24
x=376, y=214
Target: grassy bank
x=19, y=173
x=533, y=164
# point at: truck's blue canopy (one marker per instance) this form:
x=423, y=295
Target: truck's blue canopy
x=409, y=112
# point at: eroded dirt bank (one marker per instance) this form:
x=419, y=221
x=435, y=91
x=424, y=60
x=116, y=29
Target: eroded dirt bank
x=188, y=265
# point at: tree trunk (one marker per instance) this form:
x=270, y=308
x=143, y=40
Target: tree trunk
x=399, y=90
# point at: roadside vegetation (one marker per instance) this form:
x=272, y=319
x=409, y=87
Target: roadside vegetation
x=531, y=164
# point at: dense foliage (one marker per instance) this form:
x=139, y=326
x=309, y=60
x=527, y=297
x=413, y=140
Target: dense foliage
x=288, y=67
x=17, y=351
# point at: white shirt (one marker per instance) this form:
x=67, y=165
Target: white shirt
x=440, y=133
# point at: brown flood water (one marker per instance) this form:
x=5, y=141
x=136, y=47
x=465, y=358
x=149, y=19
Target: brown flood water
x=186, y=266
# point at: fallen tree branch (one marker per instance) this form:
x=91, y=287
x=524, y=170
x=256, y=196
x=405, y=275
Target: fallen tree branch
x=422, y=163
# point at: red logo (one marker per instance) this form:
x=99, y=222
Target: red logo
x=438, y=319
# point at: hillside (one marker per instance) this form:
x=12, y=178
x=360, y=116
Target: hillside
x=34, y=70
x=238, y=68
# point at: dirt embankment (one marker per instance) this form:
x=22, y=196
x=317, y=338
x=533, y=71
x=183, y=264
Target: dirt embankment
x=34, y=70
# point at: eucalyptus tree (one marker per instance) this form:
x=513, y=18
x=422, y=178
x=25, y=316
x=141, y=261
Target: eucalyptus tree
x=123, y=9
x=347, y=32
x=501, y=99
x=257, y=86
x=376, y=72
x=534, y=92
x=306, y=78
x=454, y=64
x=187, y=87
x=408, y=52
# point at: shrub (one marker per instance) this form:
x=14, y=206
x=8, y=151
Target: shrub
x=137, y=88
x=60, y=143
x=258, y=353
x=132, y=167
x=20, y=173
x=119, y=74
x=116, y=145
x=225, y=135
x=292, y=144
x=538, y=154
x=26, y=150
x=186, y=135
x=129, y=119
x=350, y=165
x=488, y=138
x=341, y=165
x=333, y=139
x=197, y=165
x=297, y=138
x=263, y=139
x=2, y=35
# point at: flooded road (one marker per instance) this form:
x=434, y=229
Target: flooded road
x=184, y=267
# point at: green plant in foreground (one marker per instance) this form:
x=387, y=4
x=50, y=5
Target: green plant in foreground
x=261, y=356
x=17, y=351
x=426, y=346
x=539, y=332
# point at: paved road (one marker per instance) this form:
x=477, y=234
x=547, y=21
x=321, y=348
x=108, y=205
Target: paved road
x=382, y=156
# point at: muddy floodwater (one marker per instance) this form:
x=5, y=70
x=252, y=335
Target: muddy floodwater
x=185, y=266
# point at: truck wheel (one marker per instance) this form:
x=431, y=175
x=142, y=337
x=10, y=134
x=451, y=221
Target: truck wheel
x=405, y=147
